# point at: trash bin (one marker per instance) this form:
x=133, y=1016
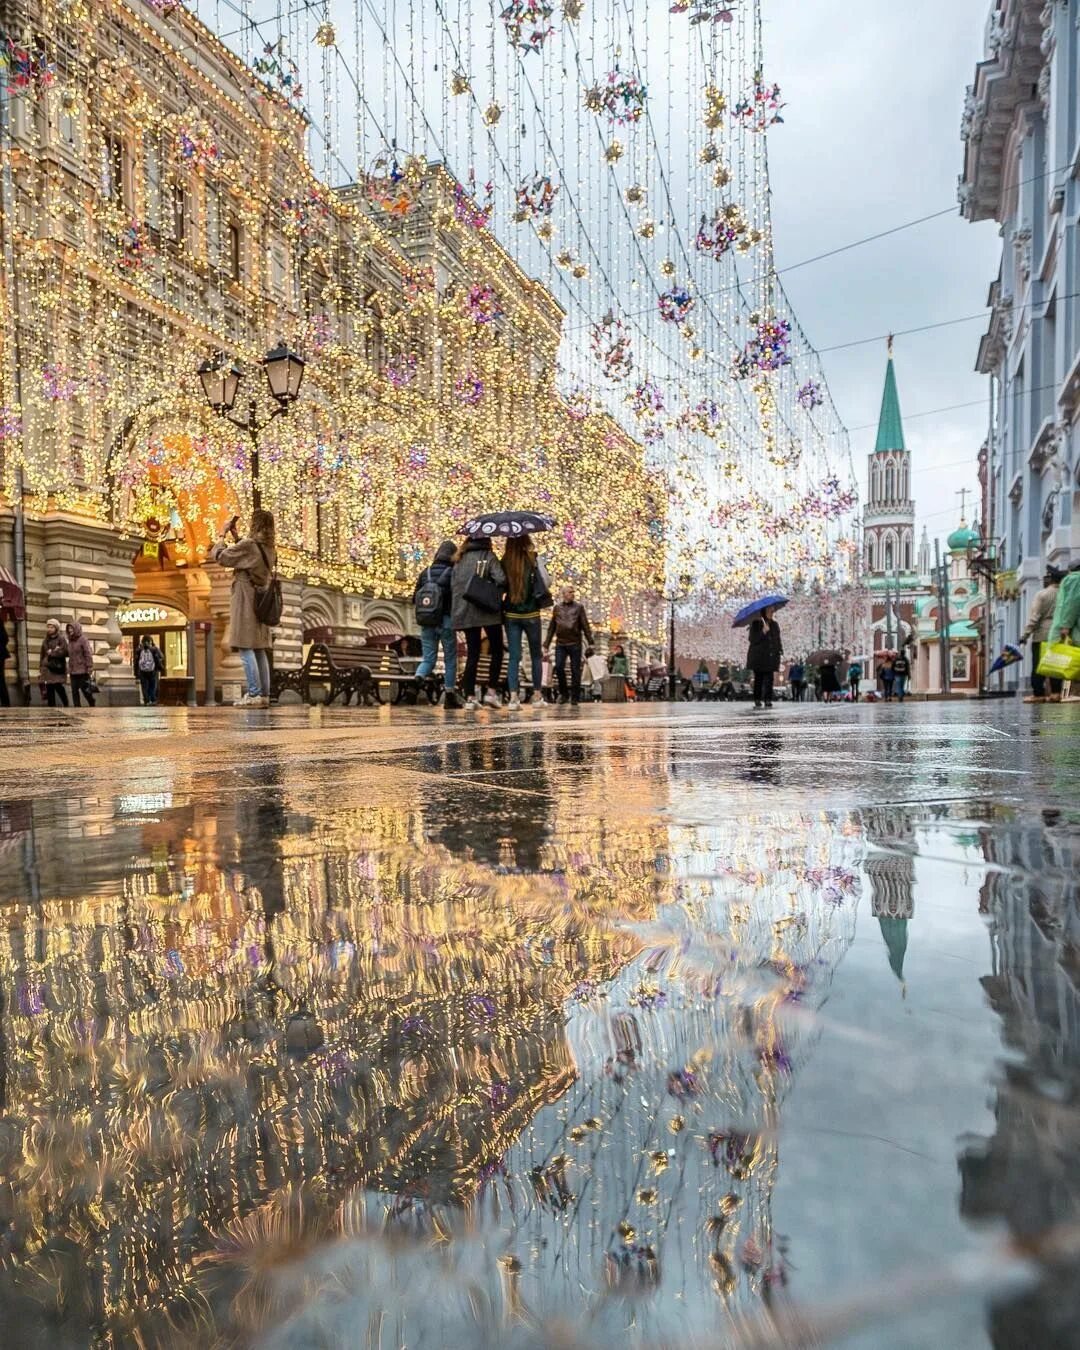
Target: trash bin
x=613, y=689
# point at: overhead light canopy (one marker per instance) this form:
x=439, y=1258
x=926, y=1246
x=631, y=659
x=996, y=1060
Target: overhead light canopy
x=284, y=373
x=220, y=381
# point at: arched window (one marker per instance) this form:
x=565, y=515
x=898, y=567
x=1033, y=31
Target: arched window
x=907, y=550
x=871, y=552
x=905, y=481
x=875, y=481
x=890, y=553
x=890, y=481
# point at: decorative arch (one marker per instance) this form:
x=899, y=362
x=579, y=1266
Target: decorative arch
x=875, y=481
x=890, y=479
x=889, y=551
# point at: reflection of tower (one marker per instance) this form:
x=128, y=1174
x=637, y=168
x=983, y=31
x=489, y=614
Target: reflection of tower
x=892, y=903
x=889, y=518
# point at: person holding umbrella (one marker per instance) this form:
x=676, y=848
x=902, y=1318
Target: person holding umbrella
x=766, y=649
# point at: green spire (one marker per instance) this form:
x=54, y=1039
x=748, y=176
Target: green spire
x=890, y=432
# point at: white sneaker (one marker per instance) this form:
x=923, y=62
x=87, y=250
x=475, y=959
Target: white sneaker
x=263, y=701
x=246, y=701
x=515, y=701
x=470, y=702
x=492, y=699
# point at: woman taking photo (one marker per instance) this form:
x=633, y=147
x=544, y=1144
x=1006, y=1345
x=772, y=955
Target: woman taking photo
x=477, y=586
x=524, y=592
x=252, y=559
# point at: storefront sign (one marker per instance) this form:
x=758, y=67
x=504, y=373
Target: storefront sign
x=136, y=616
x=151, y=548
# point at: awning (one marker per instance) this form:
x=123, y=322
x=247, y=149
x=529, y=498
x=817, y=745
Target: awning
x=12, y=602
x=381, y=632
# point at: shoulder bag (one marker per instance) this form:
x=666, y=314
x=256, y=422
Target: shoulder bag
x=268, y=599
x=481, y=591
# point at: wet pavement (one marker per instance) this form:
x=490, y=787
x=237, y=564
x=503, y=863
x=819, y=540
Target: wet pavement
x=327, y=1028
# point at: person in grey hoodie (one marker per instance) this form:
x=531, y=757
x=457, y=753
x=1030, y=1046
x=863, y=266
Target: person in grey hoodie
x=80, y=665
x=477, y=558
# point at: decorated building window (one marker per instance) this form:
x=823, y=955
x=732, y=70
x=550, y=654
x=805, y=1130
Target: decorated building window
x=235, y=257
x=213, y=226
x=178, y=213
x=114, y=170
x=154, y=195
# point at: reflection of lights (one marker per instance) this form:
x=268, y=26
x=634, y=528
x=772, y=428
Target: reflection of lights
x=143, y=803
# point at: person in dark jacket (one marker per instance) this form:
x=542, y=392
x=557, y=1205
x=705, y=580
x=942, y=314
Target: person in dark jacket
x=5, y=652
x=797, y=680
x=432, y=635
x=80, y=665
x=764, y=654
x=475, y=619
x=54, y=662
x=149, y=663
x=570, y=629
x=524, y=592
x=901, y=674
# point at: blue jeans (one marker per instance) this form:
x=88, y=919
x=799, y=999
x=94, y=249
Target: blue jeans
x=899, y=684
x=149, y=681
x=516, y=629
x=430, y=638
x=256, y=671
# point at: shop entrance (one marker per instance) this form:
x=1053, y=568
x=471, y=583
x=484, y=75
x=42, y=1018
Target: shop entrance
x=169, y=630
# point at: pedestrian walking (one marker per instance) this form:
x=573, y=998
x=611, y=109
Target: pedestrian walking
x=901, y=674
x=1065, y=625
x=1038, y=630
x=570, y=629
x=854, y=679
x=828, y=682
x=596, y=669
x=54, y=664
x=526, y=595
x=5, y=653
x=253, y=560
x=764, y=655
x=149, y=665
x=80, y=666
x=887, y=677
x=477, y=586
x=796, y=678
x=433, y=600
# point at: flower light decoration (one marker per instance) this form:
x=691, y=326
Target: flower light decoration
x=646, y=398
x=759, y=109
x=469, y=389
x=391, y=185
x=728, y=228
x=302, y=214
x=196, y=145
x=535, y=197
x=279, y=71
x=767, y=350
x=527, y=24
x=579, y=404
x=133, y=246
x=26, y=70
x=810, y=395
x=674, y=305
x=472, y=205
x=611, y=347
x=704, y=11
x=401, y=370
x=482, y=304
x=621, y=97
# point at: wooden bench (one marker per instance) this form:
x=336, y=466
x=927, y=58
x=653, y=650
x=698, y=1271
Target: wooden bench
x=341, y=669
x=386, y=667
x=656, y=686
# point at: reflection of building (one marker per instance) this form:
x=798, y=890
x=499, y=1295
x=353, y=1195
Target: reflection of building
x=1019, y=132
x=892, y=881
x=162, y=208
x=967, y=605
x=896, y=575
x=1026, y=1171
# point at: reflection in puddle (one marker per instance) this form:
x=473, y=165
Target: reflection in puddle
x=514, y=1054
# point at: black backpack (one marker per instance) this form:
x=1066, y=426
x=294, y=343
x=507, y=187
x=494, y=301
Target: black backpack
x=429, y=602
x=268, y=599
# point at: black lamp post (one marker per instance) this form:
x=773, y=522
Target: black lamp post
x=221, y=383
x=672, y=597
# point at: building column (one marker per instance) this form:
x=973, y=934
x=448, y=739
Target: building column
x=228, y=668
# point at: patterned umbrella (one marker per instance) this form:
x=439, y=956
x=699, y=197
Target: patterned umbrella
x=507, y=523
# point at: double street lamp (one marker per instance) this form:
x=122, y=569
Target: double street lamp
x=221, y=383
x=672, y=597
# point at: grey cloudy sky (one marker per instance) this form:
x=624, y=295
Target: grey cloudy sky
x=871, y=138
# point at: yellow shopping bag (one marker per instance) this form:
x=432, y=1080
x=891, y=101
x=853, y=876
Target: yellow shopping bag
x=1060, y=660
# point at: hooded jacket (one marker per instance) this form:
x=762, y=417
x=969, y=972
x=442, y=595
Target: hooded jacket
x=441, y=572
x=80, y=655
x=766, y=649
x=1067, y=609
x=54, y=645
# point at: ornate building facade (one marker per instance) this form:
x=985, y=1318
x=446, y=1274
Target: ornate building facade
x=1021, y=133
x=158, y=208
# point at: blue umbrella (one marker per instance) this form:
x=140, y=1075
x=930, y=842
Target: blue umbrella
x=1008, y=657
x=755, y=607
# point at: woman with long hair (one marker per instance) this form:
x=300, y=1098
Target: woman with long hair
x=252, y=559
x=477, y=587
x=523, y=594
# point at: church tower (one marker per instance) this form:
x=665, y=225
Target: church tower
x=889, y=517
